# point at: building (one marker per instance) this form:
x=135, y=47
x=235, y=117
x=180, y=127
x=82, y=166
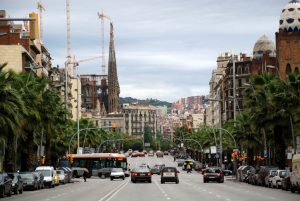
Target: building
x=21, y=48
x=288, y=40
x=137, y=116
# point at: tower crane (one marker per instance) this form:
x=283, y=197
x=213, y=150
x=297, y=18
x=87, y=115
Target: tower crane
x=102, y=17
x=41, y=9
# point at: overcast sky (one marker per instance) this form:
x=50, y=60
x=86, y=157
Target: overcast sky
x=165, y=49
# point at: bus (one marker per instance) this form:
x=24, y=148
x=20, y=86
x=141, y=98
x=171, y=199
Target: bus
x=96, y=161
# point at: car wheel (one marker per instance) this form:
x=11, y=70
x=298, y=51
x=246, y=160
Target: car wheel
x=123, y=178
x=177, y=182
x=150, y=181
x=277, y=186
x=293, y=189
x=16, y=191
x=21, y=190
x=111, y=178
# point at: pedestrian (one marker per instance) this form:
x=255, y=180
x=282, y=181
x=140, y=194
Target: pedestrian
x=188, y=168
x=85, y=175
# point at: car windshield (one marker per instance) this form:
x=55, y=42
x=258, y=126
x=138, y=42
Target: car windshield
x=169, y=170
x=46, y=173
x=283, y=173
x=27, y=175
x=142, y=170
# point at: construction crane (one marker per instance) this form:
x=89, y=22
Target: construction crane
x=102, y=17
x=76, y=63
x=41, y=9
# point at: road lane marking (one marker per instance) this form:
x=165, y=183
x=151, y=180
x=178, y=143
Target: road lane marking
x=163, y=192
x=114, y=190
x=117, y=191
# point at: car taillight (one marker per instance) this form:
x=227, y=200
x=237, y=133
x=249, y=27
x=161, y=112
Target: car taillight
x=218, y=174
x=205, y=174
x=149, y=174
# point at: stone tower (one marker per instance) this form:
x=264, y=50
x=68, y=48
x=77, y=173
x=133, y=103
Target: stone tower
x=288, y=40
x=113, y=83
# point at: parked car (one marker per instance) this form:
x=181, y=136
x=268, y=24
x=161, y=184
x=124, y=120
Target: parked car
x=141, y=174
x=269, y=177
x=40, y=177
x=242, y=172
x=62, y=176
x=48, y=172
x=17, y=182
x=56, y=178
x=159, y=154
x=286, y=182
x=277, y=178
x=166, y=153
x=151, y=153
x=295, y=174
x=169, y=174
x=117, y=173
x=5, y=185
x=213, y=174
x=68, y=173
x=227, y=172
x=262, y=173
x=30, y=181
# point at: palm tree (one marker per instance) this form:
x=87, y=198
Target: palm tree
x=12, y=108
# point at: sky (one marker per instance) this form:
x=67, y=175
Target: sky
x=165, y=49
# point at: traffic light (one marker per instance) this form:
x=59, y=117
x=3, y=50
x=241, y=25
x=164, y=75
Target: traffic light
x=113, y=127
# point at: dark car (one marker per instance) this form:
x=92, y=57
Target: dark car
x=155, y=170
x=169, y=174
x=30, y=180
x=5, y=185
x=286, y=181
x=141, y=174
x=213, y=174
x=40, y=177
x=17, y=182
x=159, y=154
x=104, y=172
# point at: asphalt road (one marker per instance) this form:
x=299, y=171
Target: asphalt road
x=190, y=187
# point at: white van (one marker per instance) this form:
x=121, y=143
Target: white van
x=295, y=174
x=48, y=172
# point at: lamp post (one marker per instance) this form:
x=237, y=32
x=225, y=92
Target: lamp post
x=220, y=129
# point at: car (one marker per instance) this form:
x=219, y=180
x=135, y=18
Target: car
x=48, y=172
x=262, y=173
x=286, y=181
x=17, y=182
x=41, y=183
x=151, y=153
x=62, y=176
x=5, y=185
x=169, y=174
x=30, y=181
x=227, y=172
x=295, y=174
x=117, y=173
x=144, y=165
x=141, y=174
x=180, y=162
x=141, y=154
x=213, y=174
x=166, y=153
x=155, y=170
x=269, y=177
x=104, y=172
x=242, y=172
x=159, y=154
x=135, y=154
x=56, y=178
x=68, y=173
x=277, y=178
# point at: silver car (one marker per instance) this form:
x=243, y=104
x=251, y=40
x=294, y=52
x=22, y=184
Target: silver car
x=117, y=173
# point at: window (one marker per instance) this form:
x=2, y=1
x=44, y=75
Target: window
x=296, y=70
x=290, y=20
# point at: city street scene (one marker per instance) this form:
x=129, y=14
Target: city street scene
x=128, y=100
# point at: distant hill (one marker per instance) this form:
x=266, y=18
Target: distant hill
x=150, y=101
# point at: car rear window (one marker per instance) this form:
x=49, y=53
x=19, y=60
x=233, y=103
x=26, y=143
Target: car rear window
x=169, y=170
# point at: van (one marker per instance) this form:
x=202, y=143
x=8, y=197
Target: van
x=48, y=172
x=295, y=174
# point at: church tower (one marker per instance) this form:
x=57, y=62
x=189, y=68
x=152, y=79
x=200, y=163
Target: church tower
x=288, y=40
x=113, y=83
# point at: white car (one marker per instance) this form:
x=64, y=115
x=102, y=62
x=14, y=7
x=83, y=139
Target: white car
x=277, y=178
x=117, y=173
x=62, y=176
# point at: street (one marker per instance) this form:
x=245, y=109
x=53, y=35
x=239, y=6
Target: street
x=190, y=187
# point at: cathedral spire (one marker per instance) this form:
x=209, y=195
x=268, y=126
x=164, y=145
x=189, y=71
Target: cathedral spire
x=113, y=83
